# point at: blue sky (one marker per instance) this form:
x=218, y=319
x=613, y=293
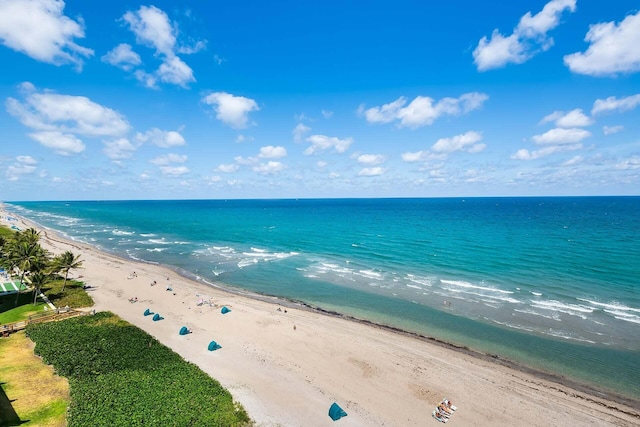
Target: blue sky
x=191, y=99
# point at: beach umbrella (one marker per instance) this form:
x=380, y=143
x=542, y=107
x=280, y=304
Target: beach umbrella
x=336, y=412
x=225, y=310
x=147, y=312
x=214, y=346
x=184, y=330
x=157, y=317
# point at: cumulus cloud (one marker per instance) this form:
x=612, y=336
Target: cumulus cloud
x=122, y=56
x=614, y=104
x=58, y=120
x=161, y=138
x=528, y=38
x=229, y=168
x=23, y=165
x=271, y=152
x=524, y=154
x=39, y=29
x=610, y=130
x=466, y=141
x=327, y=114
x=560, y=136
x=62, y=143
x=323, y=143
x=168, y=159
x=417, y=156
x=174, y=170
x=153, y=28
x=422, y=111
x=299, y=131
x=375, y=171
x=613, y=49
x=269, y=168
x=630, y=163
x=574, y=118
x=230, y=109
x=119, y=149
x=371, y=159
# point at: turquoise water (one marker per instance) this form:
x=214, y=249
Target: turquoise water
x=553, y=283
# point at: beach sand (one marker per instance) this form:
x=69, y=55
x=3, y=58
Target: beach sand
x=286, y=363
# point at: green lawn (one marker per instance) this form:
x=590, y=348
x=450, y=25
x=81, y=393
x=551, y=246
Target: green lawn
x=9, y=312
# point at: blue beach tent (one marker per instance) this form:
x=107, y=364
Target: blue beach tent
x=336, y=412
x=214, y=346
x=157, y=317
x=184, y=330
x=147, y=312
x=225, y=310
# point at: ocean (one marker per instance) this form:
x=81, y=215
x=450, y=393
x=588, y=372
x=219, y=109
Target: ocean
x=551, y=283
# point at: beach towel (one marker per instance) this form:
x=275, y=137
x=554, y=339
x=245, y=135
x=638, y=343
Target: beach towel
x=225, y=310
x=336, y=412
x=148, y=312
x=214, y=346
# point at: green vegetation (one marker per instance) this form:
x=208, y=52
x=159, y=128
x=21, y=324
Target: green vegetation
x=35, y=396
x=121, y=376
x=73, y=295
x=21, y=251
x=10, y=313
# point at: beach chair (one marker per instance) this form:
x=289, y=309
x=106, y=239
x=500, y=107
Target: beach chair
x=449, y=405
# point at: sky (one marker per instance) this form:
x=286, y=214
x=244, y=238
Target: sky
x=306, y=99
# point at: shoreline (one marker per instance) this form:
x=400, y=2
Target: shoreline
x=415, y=394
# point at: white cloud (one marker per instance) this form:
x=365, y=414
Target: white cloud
x=161, y=138
x=153, y=29
x=174, y=70
x=269, y=168
x=119, y=149
x=466, y=141
x=39, y=29
x=371, y=159
x=245, y=161
x=322, y=164
x=51, y=112
x=327, y=114
x=299, y=131
x=613, y=49
x=561, y=136
x=168, y=159
x=24, y=165
x=528, y=38
x=62, y=143
x=375, y=171
x=271, y=152
x=122, y=56
x=417, y=156
x=230, y=109
x=524, y=154
x=242, y=138
x=174, y=170
x=610, y=130
x=322, y=143
x=574, y=118
x=614, y=104
x=229, y=168
x=422, y=111
x=630, y=163
x=575, y=160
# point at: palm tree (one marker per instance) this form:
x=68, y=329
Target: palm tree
x=38, y=280
x=65, y=262
x=25, y=252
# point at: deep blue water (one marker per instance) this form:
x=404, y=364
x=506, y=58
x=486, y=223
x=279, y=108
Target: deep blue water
x=552, y=283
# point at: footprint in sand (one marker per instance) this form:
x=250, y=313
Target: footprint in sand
x=367, y=370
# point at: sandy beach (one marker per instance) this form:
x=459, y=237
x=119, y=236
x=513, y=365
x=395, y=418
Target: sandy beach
x=286, y=364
